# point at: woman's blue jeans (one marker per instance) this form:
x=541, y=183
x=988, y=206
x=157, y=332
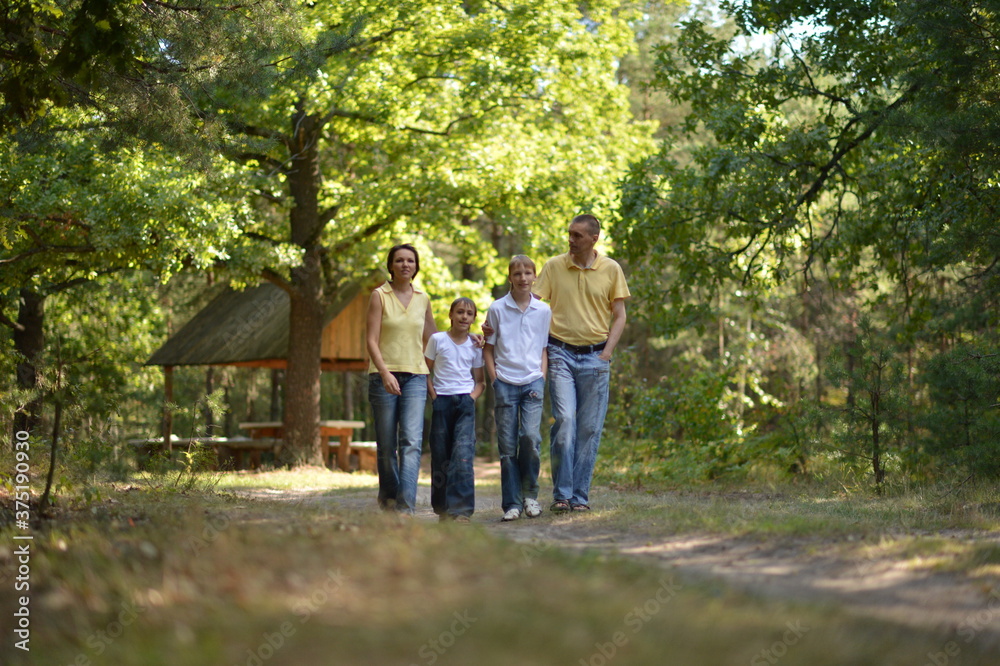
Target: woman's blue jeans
x=399, y=432
x=518, y=412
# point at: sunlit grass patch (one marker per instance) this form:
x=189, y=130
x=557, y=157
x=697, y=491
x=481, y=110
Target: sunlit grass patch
x=302, y=479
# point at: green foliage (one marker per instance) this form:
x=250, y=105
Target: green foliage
x=873, y=417
x=963, y=424
x=821, y=149
x=842, y=155
x=185, y=470
x=132, y=63
x=72, y=211
x=677, y=426
x=437, y=121
x=54, y=52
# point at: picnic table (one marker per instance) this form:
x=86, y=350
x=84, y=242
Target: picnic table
x=342, y=431
x=226, y=448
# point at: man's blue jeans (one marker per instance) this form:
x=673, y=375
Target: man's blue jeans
x=453, y=449
x=399, y=432
x=518, y=412
x=578, y=390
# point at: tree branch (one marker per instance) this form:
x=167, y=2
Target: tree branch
x=326, y=216
x=277, y=280
x=69, y=284
x=261, y=237
x=257, y=157
x=9, y=323
x=367, y=232
x=48, y=248
x=192, y=8
x=447, y=129
x=352, y=115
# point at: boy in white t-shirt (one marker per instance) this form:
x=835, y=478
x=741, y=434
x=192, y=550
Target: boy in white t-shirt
x=456, y=380
x=516, y=362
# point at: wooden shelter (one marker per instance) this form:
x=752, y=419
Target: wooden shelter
x=250, y=328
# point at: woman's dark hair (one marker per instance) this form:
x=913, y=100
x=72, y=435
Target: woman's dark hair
x=397, y=248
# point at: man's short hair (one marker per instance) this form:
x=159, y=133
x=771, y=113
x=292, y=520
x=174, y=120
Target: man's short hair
x=521, y=260
x=593, y=224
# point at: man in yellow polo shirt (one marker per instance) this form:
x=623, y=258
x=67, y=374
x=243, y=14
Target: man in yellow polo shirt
x=587, y=293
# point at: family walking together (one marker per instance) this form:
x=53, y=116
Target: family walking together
x=562, y=323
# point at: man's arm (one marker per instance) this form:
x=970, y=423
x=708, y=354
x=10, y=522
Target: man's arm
x=617, y=328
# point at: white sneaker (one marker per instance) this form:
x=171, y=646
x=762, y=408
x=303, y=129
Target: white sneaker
x=513, y=513
x=532, y=509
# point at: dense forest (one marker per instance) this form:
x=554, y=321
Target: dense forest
x=803, y=196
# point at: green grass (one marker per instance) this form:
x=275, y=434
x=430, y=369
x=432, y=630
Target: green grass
x=154, y=575
x=794, y=513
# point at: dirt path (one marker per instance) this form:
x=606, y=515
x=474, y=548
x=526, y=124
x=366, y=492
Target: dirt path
x=799, y=570
x=957, y=606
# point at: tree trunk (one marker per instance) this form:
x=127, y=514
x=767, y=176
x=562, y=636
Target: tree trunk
x=302, y=381
x=29, y=341
x=305, y=333
x=875, y=400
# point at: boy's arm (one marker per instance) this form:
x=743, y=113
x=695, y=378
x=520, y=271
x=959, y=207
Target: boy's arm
x=489, y=362
x=488, y=328
x=477, y=374
x=545, y=362
x=430, y=380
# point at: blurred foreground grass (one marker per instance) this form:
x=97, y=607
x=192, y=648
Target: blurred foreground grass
x=151, y=575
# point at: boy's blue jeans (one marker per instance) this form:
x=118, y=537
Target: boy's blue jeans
x=578, y=389
x=453, y=449
x=518, y=412
x=399, y=432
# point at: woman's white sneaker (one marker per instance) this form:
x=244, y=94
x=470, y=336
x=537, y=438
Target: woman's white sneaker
x=532, y=508
x=512, y=513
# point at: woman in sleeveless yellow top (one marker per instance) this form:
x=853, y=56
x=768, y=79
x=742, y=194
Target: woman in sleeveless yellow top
x=399, y=323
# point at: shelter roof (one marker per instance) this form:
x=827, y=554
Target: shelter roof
x=248, y=327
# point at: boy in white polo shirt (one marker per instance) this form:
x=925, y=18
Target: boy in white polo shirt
x=515, y=358
x=456, y=380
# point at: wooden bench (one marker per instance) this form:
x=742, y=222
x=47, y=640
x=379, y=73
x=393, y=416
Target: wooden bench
x=341, y=431
x=234, y=449
x=367, y=456
x=226, y=448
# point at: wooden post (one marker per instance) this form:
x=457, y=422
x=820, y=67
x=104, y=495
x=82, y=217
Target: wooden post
x=207, y=411
x=277, y=381
x=168, y=398
x=348, y=395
